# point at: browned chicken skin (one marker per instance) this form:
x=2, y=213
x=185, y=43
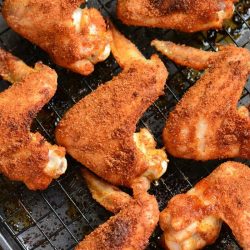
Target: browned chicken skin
x=206, y=124
x=26, y=156
x=193, y=220
x=130, y=229
x=99, y=130
x=133, y=224
x=76, y=39
x=183, y=15
x=107, y=195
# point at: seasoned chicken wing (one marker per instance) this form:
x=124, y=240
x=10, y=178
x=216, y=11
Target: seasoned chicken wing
x=107, y=195
x=133, y=224
x=193, y=220
x=99, y=130
x=26, y=156
x=183, y=15
x=75, y=38
x=206, y=124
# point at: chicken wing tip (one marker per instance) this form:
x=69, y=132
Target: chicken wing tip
x=124, y=50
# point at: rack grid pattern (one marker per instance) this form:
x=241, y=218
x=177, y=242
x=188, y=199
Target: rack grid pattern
x=59, y=217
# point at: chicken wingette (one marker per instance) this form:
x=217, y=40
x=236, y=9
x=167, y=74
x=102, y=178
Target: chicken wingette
x=99, y=131
x=133, y=224
x=75, y=38
x=207, y=124
x=193, y=220
x=26, y=156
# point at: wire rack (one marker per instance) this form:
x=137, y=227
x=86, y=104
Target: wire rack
x=61, y=216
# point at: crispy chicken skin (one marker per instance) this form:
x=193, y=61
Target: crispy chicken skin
x=133, y=224
x=99, y=130
x=193, y=220
x=136, y=217
x=26, y=156
x=130, y=229
x=109, y=196
x=206, y=124
x=183, y=15
x=76, y=39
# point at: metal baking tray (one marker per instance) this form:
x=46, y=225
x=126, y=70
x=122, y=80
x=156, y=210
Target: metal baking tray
x=59, y=217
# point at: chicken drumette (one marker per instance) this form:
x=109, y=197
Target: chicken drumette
x=184, y=15
x=26, y=156
x=99, y=130
x=133, y=224
x=193, y=220
x=75, y=38
x=206, y=124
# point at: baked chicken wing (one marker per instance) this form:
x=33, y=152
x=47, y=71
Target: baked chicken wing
x=26, y=156
x=133, y=224
x=75, y=38
x=99, y=130
x=183, y=15
x=207, y=124
x=193, y=220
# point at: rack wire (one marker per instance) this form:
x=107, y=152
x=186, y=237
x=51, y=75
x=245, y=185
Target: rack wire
x=59, y=217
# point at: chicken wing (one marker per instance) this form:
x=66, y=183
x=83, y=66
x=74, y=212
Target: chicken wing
x=183, y=15
x=99, y=130
x=107, y=195
x=133, y=224
x=193, y=220
x=75, y=38
x=26, y=156
x=206, y=124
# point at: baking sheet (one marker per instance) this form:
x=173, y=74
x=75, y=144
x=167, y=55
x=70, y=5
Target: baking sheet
x=60, y=216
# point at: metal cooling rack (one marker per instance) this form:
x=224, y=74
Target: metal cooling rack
x=59, y=217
